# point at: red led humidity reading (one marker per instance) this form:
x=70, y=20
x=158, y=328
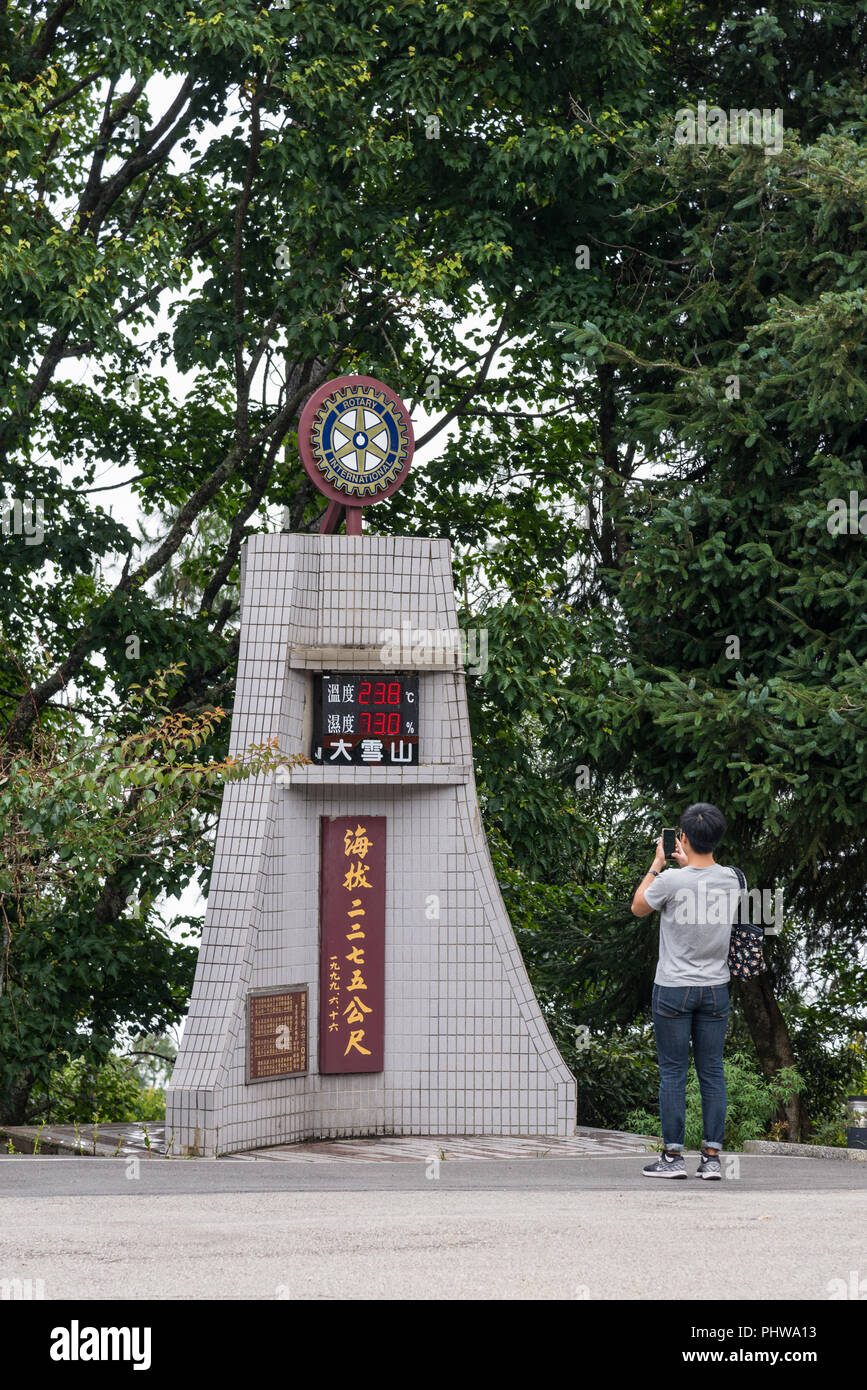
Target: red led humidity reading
x=378, y=723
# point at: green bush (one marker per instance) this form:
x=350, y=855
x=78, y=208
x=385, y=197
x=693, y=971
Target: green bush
x=113, y=1093
x=615, y=1075
x=830, y=1129
x=753, y=1101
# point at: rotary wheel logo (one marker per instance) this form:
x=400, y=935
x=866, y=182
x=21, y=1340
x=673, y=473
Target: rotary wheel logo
x=359, y=441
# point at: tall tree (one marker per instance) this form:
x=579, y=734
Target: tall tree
x=741, y=677
x=257, y=197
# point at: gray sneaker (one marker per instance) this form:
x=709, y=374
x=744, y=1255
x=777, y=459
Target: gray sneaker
x=666, y=1166
x=709, y=1167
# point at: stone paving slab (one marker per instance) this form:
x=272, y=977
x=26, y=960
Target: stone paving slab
x=87, y=1141
x=152, y=1141
x=413, y=1148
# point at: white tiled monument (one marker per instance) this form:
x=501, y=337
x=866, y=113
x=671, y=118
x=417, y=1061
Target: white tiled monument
x=466, y=1049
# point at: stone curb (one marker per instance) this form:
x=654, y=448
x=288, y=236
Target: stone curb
x=766, y=1146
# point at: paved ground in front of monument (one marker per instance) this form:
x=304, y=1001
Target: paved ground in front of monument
x=154, y=1141
x=564, y=1227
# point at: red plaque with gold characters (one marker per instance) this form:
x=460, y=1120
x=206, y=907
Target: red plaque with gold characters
x=276, y=1033
x=352, y=944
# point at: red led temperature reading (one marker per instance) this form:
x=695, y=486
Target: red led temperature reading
x=379, y=695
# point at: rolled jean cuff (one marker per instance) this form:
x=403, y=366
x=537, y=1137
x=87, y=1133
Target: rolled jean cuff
x=717, y=1148
x=674, y=1148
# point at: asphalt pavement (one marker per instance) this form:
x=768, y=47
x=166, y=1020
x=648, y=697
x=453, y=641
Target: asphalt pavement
x=586, y=1228
x=24, y=1175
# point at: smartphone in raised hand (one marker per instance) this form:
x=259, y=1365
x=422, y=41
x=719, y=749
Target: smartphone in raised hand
x=669, y=839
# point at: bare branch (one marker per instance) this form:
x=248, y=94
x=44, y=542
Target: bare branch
x=473, y=388
x=27, y=710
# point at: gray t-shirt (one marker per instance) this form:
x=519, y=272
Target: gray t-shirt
x=695, y=927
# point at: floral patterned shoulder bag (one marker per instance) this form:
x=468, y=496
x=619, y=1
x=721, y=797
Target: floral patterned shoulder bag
x=745, y=952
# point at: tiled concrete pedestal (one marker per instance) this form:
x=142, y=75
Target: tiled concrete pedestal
x=466, y=1048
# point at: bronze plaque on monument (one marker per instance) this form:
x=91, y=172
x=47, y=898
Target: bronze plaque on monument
x=276, y=1032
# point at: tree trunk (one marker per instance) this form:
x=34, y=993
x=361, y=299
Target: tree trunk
x=773, y=1045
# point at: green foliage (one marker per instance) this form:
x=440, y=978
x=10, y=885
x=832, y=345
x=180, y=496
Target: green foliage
x=831, y=1057
x=728, y=391
x=77, y=962
x=752, y=1101
x=830, y=1128
x=616, y=1074
x=732, y=535
x=78, y=1093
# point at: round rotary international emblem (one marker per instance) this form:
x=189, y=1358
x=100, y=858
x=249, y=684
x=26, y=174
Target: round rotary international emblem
x=355, y=439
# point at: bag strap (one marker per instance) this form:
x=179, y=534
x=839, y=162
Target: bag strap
x=742, y=884
x=745, y=926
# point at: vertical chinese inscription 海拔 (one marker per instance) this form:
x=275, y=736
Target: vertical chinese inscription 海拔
x=352, y=944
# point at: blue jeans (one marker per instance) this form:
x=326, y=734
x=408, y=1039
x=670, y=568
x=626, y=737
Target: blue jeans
x=702, y=1013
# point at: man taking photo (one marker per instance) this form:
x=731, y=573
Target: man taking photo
x=690, y=991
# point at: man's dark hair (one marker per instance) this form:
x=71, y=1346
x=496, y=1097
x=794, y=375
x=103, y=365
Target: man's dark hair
x=704, y=826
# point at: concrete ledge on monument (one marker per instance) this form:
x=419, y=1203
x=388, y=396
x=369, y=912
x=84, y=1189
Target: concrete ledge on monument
x=424, y=774
x=367, y=658
x=768, y=1146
